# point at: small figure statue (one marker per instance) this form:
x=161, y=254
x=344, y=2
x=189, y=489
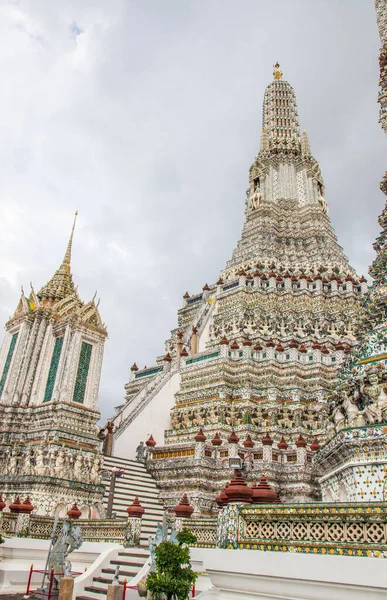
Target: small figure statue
x=68, y=540
x=78, y=466
x=351, y=406
x=231, y=415
x=255, y=199
x=323, y=203
x=59, y=463
x=339, y=417
x=213, y=417
x=27, y=465
x=40, y=467
x=187, y=420
x=51, y=460
x=13, y=462
x=95, y=470
x=140, y=452
x=107, y=447
x=116, y=578
x=175, y=420
x=198, y=420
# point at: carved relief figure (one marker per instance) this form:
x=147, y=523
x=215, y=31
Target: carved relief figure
x=40, y=467
x=374, y=390
x=212, y=416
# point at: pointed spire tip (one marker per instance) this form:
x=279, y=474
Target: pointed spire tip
x=67, y=256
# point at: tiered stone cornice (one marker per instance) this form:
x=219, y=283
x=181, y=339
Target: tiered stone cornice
x=290, y=236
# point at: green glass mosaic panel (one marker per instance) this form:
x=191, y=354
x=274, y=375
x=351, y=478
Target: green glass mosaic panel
x=190, y=361
x=149, y=372
x=53, y=369
x=8, y=362
x=83, y=371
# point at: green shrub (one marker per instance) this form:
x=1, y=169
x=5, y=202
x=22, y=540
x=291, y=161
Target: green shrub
x=186, y=537
x=174, y=577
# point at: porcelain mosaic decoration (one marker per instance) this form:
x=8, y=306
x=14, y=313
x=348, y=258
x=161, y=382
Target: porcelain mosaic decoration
x=258, y=351
x=50, y=365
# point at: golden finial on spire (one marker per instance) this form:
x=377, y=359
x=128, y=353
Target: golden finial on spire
x=277, y=71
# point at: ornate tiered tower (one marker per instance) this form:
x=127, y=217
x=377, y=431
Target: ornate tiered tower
x=247, y=370
x=50, y=366
x=353, y=464
x=381, y=15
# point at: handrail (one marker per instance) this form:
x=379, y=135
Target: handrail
x=148, y=392
x=143, y=399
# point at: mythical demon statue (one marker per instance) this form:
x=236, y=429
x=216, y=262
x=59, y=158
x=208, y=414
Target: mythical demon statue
x=361, y=399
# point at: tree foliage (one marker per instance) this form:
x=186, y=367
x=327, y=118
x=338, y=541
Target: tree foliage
x=186, y=537
x=174, y=576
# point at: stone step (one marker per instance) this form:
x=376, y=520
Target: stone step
x=127, y=461
x=96, y=590
x=126, y=488
x=124, y=563
x=132, y=491
x=124, y=499
x=108, y=580
x=134, y=468
x=137, y=481
x=136, y=553
x=144, y=478
x=152, y=522
x=126, y=483
x=132, y=555
x=124, y=573
x=124, y=502
x=134, y=485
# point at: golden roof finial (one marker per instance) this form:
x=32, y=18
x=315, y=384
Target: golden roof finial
x=277, y=71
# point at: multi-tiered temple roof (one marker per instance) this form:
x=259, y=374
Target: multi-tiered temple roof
x=257, y=351
x=60, y=298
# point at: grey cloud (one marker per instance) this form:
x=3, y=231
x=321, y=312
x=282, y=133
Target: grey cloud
x=147, y=122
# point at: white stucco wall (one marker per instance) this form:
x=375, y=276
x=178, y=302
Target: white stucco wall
x=154, y=419
x=249, y=574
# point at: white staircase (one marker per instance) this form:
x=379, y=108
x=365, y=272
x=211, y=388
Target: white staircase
x=130, y=561
x=135, y=482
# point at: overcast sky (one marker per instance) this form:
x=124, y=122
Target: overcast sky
x=145, y=116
